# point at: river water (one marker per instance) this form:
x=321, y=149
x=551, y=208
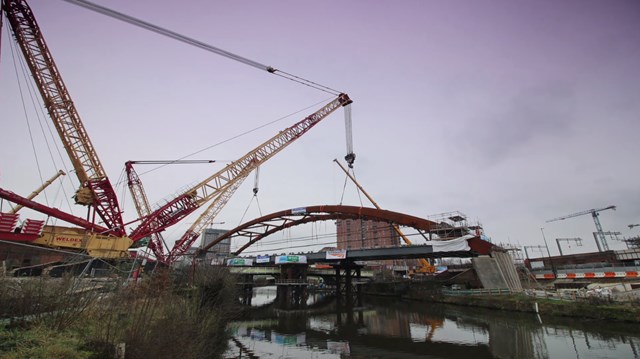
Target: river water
x=392, y=328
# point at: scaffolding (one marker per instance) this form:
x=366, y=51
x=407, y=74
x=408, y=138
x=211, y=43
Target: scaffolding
x=450, y=225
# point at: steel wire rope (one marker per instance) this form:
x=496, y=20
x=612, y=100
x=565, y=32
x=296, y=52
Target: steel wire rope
x=26, y=116
x=123, y=194
x=197, y=43
x=38, y=110
x=258, y=204
x=344, y=188
x=246, y=210
x=305, y=82
x=237, y=136
x=357, y=189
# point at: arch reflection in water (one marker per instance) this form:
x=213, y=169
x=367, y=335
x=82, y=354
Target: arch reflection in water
x=385, y=328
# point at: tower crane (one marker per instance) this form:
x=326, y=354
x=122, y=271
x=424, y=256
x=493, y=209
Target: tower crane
x=601, y=241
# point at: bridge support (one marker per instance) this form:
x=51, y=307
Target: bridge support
x=246, y=288
x=348, y=293
x=348, y=285
x=292, y=286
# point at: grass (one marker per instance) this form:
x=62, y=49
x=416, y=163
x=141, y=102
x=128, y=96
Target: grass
x=159, y=317
x=41, y=342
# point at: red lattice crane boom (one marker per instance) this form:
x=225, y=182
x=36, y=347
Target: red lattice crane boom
x=141, y=201
x=220, y=186
x=95, y=189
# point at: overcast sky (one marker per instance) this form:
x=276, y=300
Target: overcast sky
x=512, y=113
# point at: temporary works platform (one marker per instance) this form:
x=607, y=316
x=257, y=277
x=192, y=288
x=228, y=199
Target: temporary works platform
x=452, y=225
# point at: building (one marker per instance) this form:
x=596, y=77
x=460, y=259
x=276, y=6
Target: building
x=219, y=252
x=357, y=234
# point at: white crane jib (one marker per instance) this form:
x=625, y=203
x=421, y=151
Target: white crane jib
x=601, y=240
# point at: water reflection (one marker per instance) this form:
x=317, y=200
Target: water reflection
x=263, y=296
x=385, y=328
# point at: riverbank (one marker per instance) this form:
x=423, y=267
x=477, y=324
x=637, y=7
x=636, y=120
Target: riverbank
x=158, y=317
x=593, y=308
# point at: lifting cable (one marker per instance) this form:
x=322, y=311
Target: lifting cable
x=26, y=116
x=256, y=188
x=350, y=157
x=39, y=112
x=255, y=196
x=193, y=42
x=344, y=187
x=237, y=136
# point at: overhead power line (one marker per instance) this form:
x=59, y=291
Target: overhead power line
x=193, y=42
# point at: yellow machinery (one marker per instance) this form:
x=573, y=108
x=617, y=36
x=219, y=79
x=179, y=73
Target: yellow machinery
x=425, y=267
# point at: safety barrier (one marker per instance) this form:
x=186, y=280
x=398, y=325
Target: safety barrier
x=611, y=272
x=469, y=292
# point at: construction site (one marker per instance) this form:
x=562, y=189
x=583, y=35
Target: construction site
x=287, y=225
x=100, y=240
x=97, y=242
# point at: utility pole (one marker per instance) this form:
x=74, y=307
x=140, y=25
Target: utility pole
x=553, y=268
x=545, y=242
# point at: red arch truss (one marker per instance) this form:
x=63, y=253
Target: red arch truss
x=264, y=226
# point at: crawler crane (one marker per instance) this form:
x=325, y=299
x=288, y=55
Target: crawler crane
x=219, y=187
x=109, y=239
x=95, y=191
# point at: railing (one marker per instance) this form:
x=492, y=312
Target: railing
x=292, y=282
x=469, y=292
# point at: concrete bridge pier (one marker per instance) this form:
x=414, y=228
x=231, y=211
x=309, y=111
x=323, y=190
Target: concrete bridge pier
x=292, y=286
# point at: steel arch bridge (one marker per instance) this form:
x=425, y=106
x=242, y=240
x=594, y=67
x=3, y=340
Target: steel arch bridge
x=264, y=226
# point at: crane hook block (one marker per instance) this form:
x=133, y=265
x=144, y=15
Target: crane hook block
x=350, y=158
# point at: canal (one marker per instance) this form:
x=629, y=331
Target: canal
x=391, y=328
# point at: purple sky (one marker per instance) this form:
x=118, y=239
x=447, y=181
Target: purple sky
x=510, y=112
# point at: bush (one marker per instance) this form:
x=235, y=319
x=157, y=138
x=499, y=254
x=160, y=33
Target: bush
x=159, y=317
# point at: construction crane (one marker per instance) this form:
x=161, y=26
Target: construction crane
x=216, y=189
x=219, y=187
x=110, y=239
x=425, y=266
x=157, y=244
x=578, y=241
x=39, y=189
x=601, y=241
x=95, y=190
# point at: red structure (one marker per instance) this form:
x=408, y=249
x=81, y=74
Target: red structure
x=259, y=228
